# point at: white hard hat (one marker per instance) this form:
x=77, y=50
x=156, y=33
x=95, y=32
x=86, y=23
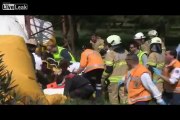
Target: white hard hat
x=156, y=40
x=152, y=33
x=139, y=35
x=114, y=40
x=32, y=42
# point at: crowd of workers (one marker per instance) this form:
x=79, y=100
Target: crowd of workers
x=146, y=73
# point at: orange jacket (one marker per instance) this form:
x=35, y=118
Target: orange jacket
x=136, y=90
x=91, y=60
x=172, y=87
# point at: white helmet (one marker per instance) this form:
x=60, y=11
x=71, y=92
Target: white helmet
x=114, y=40
x=139, y=35
x=156, y=40
x=152, y=33
x=32, y=42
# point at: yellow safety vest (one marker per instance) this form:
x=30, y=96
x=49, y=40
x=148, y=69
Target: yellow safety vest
x=57, y=56
x=140, y=54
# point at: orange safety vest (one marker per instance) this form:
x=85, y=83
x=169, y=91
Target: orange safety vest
x=91, y=60
x=136, y=91
x=167, y=86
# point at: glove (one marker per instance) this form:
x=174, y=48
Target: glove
x=157, y=71
x=120, y=83
x=161, y=102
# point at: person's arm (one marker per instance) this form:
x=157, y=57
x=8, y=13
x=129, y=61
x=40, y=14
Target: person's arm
x=151, y=62
x=150, y=86
x=83, y=63
x=109, y=65
x=65, y=54
x=145, y=60
x=175, y=75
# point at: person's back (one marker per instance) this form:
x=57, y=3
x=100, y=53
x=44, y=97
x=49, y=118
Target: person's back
x=119, y=63
x=63, y=53
x=92, y=61
x=77, y=87
x=92, y=65
x=115, y=69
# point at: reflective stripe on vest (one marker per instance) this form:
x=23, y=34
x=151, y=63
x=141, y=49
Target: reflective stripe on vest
x=57, y=56
x=140, y=54
x=143, y=98
x=108, y=63
x=94, y=66
x=115, y=79
x=121, y=63
x=160, y=65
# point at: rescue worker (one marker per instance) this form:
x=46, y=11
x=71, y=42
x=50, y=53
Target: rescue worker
x=140, y=39
x=156, y=59
x=59, y=53
x=77, y=86
x=134, y=49
x=138, y=83
x=171, y=77
x=92, y=64
x=97, y=43
x=152, y=34
x=116, y=68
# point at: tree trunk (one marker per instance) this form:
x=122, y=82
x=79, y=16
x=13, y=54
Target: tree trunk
x=72, y=34
x=78, y=27
x=65, y=29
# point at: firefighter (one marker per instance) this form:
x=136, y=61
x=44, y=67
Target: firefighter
x=152, y=34
x=171, y=77
x=97, y=43
x=140, y=39
x=156, y=59
x=116, y=68
x=138, y=83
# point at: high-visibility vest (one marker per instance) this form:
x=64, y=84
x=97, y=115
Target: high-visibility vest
x=90, y=60
x=136, y=91
x=140, y=54
x=172, y=87
x=57, y=56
